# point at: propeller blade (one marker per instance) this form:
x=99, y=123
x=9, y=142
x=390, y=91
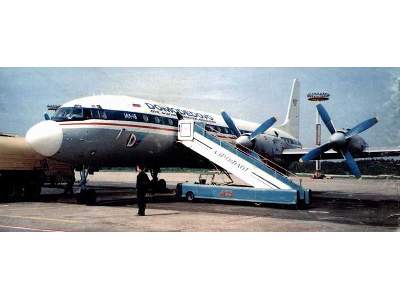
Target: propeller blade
x=263, y=128
x=326, y=118
x=315, y=153
x=351, y=164
x=361, y=127
x=228, y=120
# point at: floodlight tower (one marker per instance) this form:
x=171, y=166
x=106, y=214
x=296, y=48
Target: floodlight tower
x=318, y=98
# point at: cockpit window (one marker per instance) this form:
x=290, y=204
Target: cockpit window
x=62, y=113
x=78, y=113
x=68, y=114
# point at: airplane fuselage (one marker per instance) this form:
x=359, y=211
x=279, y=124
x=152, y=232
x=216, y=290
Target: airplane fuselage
x=121, y=131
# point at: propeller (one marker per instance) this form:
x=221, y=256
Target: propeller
x=247, y=140
x=339, y=140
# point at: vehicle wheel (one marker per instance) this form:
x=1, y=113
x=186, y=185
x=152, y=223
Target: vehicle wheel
x=189, y=196
x=300, y=204
x=3, y=191
x=17, y=191
x=32, y=191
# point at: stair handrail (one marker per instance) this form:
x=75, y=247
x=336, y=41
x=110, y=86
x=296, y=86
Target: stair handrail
x=237, y=149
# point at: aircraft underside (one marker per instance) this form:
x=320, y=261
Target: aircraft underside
x=125, y=149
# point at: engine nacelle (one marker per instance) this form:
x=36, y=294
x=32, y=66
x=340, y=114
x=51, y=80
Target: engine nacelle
x=269, y=147
x=357, y=144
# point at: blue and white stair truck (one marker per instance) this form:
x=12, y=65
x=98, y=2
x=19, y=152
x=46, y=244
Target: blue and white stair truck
x=267, y=185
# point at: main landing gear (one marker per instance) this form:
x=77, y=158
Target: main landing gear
x=86, y=196
x=157, y=185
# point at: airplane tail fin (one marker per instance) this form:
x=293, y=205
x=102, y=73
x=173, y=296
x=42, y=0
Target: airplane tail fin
x=291, y=124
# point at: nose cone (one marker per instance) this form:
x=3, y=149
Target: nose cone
x=45, y=138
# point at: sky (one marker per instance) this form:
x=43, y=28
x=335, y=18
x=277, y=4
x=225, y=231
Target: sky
x=253, y=94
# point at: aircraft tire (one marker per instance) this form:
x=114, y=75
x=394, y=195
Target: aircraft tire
x=87, y=197
x=161, y=185
x=80, y=197
x=91, y=197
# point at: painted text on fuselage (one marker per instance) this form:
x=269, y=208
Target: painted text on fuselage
x=170, y=111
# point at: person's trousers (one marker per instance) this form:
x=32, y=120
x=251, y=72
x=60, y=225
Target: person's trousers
x=141, y=199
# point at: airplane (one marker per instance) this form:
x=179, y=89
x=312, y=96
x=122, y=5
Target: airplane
x=94, y=132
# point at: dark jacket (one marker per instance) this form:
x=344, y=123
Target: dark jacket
x=142, y=182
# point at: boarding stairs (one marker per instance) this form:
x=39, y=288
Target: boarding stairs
x=246, y=165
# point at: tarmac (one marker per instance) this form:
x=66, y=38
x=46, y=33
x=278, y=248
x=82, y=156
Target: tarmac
x=339, y=204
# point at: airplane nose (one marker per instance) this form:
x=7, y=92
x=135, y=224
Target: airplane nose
x=45, y=138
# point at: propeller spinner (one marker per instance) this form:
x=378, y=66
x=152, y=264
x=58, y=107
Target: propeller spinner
x=339, y=140
x=247, y=140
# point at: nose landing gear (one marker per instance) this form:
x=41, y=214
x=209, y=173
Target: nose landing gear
x=86, y=196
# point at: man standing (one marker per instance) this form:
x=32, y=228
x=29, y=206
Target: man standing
x=142, y=183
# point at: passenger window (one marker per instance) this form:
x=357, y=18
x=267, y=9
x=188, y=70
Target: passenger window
x=170, y=122
x=145, y=118
x=157, y=120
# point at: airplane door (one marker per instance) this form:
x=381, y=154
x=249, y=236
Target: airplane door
x=185, y=130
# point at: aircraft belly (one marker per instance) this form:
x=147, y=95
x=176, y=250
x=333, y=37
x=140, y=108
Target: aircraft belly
x=112, y=147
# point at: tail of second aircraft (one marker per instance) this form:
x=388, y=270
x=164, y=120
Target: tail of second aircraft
x=291, y=124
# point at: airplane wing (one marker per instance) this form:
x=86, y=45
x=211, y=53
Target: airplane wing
x=296, y=154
